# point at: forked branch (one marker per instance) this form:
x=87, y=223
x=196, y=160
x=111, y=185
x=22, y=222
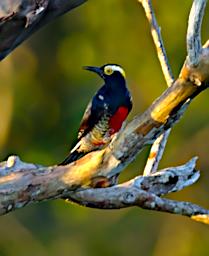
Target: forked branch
x=21, y=183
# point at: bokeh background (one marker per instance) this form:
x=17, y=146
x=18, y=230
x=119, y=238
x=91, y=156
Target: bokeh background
x=43, y=93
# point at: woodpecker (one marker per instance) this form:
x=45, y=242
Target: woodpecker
x=104, y=114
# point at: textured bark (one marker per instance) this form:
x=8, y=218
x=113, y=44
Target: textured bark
x=22, y=183
x=21, y=18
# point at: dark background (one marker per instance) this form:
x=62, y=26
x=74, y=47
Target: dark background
x=43, y=93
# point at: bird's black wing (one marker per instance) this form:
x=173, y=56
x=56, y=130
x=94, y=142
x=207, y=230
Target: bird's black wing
x=84, y=124
x=93, y=113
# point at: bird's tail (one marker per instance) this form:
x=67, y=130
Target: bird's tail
x=75, y=155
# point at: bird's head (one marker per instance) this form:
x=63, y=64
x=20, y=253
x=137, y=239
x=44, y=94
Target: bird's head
x=109, y=72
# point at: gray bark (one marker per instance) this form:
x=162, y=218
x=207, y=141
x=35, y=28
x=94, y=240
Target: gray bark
x=19, y=19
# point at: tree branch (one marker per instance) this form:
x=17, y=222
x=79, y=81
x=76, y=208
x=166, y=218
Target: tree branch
x=156, y=153
x=28, y=183
x=19, y=19
x=162, y=114
x=158, y=41
x=194, y=45
x=122, y=197
x=22, y=183
x=159, y=145
x=194, y=48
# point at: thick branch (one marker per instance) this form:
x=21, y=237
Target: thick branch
x=22, y=183
x=194, y=48
x=21, y=18
x=144, y=129
x=32, y=183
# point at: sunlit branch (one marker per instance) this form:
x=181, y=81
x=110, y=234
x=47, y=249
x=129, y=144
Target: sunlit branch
x=22, y=183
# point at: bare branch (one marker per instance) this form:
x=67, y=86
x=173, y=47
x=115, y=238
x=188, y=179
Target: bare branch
x=156, y=153
x=194, y=45
x=22, y=184
x=158, y=41
x=19, y=19
x=125, y=197
x=159, y=145
x=144, y=129
x=143, y=191
x=168, y=180
x=194, y=49
x=19, y=186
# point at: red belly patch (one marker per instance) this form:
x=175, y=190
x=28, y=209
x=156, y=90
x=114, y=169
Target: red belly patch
x=117, y=119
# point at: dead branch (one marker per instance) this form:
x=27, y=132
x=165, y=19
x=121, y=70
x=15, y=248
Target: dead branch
x=156, y=153
x=28, y=183
x=194, y=48
x=122, y=197
x=159, y=145
x=194, y=45
x=22, y=183
x=158, y=41
x=19, y=19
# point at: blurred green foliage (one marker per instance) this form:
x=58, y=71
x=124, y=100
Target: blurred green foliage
x=43, y=94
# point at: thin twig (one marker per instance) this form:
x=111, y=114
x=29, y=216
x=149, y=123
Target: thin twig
x=158, y=41
x=159, y=145
x=156, y=153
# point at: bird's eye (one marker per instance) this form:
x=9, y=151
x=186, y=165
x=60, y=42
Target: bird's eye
x=108, y=71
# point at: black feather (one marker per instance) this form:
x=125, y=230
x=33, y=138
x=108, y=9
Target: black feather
x=112, y=95
x=75, y=155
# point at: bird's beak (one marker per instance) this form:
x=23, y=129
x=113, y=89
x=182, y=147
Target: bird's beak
x=94, y=69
